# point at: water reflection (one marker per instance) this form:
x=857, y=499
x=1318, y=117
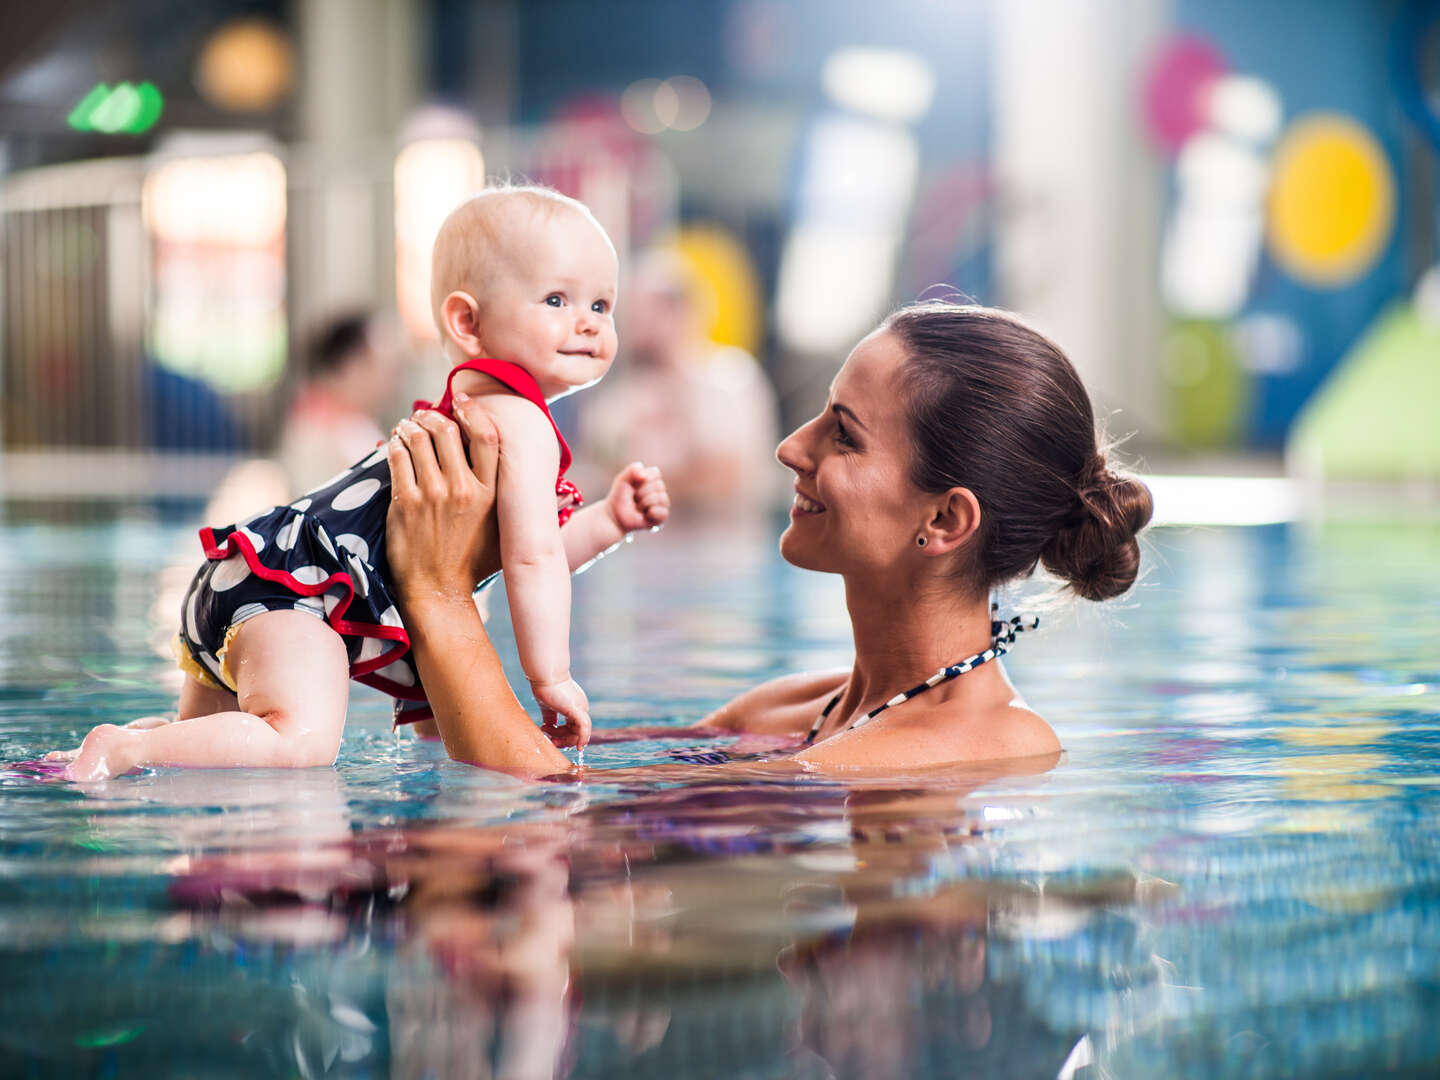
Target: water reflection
x=1235, y=871
x=811, y=923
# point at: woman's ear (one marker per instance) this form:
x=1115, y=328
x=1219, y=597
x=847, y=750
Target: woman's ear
x=460, y=319
x=954, y=520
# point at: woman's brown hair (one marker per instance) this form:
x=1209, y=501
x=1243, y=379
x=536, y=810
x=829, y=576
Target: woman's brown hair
x=996, y=407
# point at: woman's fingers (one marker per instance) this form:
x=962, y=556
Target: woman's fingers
x=402, y=468
x=422, y=456
x=449, y=450
x=482, y=436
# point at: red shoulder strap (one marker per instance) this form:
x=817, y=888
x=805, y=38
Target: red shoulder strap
x=513, y=376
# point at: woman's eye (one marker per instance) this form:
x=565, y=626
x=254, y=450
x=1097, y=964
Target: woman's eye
x=555, y=300
x=842, y=436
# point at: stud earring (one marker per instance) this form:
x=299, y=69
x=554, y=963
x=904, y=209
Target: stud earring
x=921, y=541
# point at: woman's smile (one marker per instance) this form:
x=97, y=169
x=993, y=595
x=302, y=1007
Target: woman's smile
x=804, y=506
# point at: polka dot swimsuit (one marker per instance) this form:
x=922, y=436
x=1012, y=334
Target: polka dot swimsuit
x=324, y=554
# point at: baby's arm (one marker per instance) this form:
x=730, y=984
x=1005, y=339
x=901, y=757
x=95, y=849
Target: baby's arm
x=637, y=500
x=537, y=578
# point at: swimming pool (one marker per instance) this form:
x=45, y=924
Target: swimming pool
x=1235, y=870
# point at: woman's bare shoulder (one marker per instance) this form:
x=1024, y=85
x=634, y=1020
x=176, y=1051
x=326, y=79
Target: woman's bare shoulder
x=781, y=706
x=931, y=734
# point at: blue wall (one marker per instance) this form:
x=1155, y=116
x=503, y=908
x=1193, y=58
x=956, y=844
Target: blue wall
x=1320, y=55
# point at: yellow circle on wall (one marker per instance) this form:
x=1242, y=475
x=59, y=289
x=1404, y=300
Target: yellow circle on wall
x=1332, y=200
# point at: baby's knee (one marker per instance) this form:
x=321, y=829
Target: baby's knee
x=305, y=746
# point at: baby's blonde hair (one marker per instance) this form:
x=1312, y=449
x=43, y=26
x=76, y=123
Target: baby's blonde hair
x=481, y=231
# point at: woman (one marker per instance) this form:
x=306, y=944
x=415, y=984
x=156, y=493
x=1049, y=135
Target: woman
x=956, y=451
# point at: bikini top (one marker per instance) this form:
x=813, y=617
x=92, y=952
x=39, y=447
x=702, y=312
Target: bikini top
x=523, y=383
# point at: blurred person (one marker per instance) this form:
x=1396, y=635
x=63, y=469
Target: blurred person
x=353, y=370
x=958, y=450
x=705, y=414
x=295, y=601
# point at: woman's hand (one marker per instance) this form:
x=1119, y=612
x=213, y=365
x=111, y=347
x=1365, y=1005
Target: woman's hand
x=442, y=533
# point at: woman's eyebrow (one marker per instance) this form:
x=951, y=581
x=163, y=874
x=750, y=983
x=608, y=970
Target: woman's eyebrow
x=845, y=410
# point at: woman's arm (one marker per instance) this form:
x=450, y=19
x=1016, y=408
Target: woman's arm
x=440, y=517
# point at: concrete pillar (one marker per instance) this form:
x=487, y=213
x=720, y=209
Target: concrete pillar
x=1081, y=193
x=361, y=76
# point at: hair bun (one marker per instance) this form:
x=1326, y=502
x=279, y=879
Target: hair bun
x=1096, y=552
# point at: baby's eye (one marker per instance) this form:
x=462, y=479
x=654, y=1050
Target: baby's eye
x=600, y=307
x=555, y=300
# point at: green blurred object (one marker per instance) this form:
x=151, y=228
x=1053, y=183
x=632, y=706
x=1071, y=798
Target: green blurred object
x=1209, y=392
x=94, y=1040
x=125, y=110
x=1375, y=418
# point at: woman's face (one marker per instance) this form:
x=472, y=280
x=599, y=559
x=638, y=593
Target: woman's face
x=855, y=506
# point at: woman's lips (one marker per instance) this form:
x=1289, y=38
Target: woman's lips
x=804, y=505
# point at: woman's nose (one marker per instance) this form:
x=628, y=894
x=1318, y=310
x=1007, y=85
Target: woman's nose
x=793, y=453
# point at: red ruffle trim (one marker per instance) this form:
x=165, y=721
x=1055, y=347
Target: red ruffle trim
x=237, y=543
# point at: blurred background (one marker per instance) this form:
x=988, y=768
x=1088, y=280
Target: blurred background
x=216, y=219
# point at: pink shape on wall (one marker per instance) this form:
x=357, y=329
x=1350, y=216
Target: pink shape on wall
x=1176, y=83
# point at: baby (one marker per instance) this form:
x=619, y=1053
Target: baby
x=293, y=602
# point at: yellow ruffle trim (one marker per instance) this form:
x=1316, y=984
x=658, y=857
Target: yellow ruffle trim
x=190, y=666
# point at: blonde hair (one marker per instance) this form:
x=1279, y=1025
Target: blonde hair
x=481, y=230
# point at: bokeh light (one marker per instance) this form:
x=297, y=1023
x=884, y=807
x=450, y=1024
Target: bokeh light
x=1332, y=201
x=218, y=228
x=1177, y=86
x=432, y=177
x=127, y=109
x=680, y=103
x=247, y=66
x=236, y=200
x=1244, y=108
x=888, y=84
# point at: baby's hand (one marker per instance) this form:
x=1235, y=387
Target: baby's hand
x=638, y=499
x=565, y=699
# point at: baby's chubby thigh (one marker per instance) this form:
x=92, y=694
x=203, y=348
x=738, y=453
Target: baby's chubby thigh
x=292, y=670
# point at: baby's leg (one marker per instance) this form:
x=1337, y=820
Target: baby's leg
x=196, y=699
x=293, y=678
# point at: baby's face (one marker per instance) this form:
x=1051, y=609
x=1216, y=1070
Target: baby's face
x=553, y=312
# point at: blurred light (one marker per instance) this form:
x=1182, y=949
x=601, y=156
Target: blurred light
x=838, y=263
x=1176, y=88
x=1208, y=261
x=692, y=102
x=237, y=200
x=127, y=109
x=432, y=177
x=889, y=84
x=1332, y=203
x=247, y=66
x=219, y=272
x=1214, y=169
x=681, y=103
x=1223, y=500
x=1427, y=296
x=1212, y=243
x=832, y=283
x=1245, y=108
x=1268, y=344
x=724, y=265
x=638, y=106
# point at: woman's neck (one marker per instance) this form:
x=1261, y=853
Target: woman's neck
x=903, y=635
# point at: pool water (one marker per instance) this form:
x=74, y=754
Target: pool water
x=1235, y=870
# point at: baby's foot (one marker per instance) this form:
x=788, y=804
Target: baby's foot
x=108, y=751
x=144, y=723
